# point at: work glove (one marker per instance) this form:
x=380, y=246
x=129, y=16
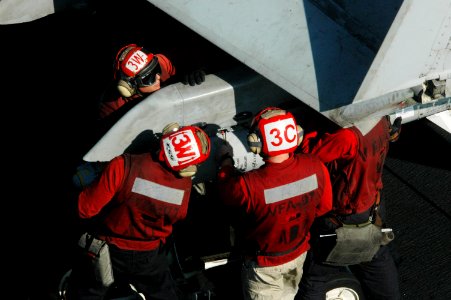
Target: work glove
x=395, y=129
x=195, y=77
x=87, y=173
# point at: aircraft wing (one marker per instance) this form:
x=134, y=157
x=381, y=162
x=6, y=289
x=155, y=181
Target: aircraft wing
x=348, y=60
x=351, y=61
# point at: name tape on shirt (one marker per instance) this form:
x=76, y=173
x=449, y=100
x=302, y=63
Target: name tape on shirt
x=290, y=190
x=157, y=191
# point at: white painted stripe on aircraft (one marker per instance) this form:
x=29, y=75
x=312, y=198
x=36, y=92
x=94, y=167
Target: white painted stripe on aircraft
x=158, y=191
x=291, y=190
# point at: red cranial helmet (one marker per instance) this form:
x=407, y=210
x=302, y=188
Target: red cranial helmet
x=135, y=67
x=274, y=131
x=183, y=148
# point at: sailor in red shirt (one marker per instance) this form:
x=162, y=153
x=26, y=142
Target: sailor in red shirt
x=278, y=201
x=133, y=206
x=137, y=74
x=355, y=158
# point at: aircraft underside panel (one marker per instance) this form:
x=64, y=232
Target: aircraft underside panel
x=417, y=48
x=349, y=60
x=331, y=54
x=292, y=43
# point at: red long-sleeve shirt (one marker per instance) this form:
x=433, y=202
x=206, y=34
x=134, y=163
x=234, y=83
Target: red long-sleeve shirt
x=138, y=201
x=355, y=163
x=280, y=202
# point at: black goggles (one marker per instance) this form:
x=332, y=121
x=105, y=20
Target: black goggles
x=147, y=76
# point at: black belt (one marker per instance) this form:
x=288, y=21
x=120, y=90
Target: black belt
x=354, y=219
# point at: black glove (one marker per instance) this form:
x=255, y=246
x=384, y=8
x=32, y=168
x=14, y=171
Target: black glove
x=195, y=77
x=87, y=173
x=395, y=129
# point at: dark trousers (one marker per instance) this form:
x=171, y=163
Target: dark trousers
x=148, y=271
x=378, y=278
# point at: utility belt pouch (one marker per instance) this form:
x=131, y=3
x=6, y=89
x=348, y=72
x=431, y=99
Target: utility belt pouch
x=98, y=251
x=356, y=244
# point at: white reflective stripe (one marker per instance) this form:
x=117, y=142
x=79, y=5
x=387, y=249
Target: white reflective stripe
x=291, y=190
x=158, y=191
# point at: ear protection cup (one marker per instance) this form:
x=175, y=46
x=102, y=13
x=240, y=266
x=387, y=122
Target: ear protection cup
x=188, y=171
x=204, y=141
x=300, y=134
x=171, y=127
x=125, y=88
x=255, y=145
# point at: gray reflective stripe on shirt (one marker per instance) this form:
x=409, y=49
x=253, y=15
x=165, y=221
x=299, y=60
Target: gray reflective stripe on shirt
x=291, y=190
x=158, y=191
